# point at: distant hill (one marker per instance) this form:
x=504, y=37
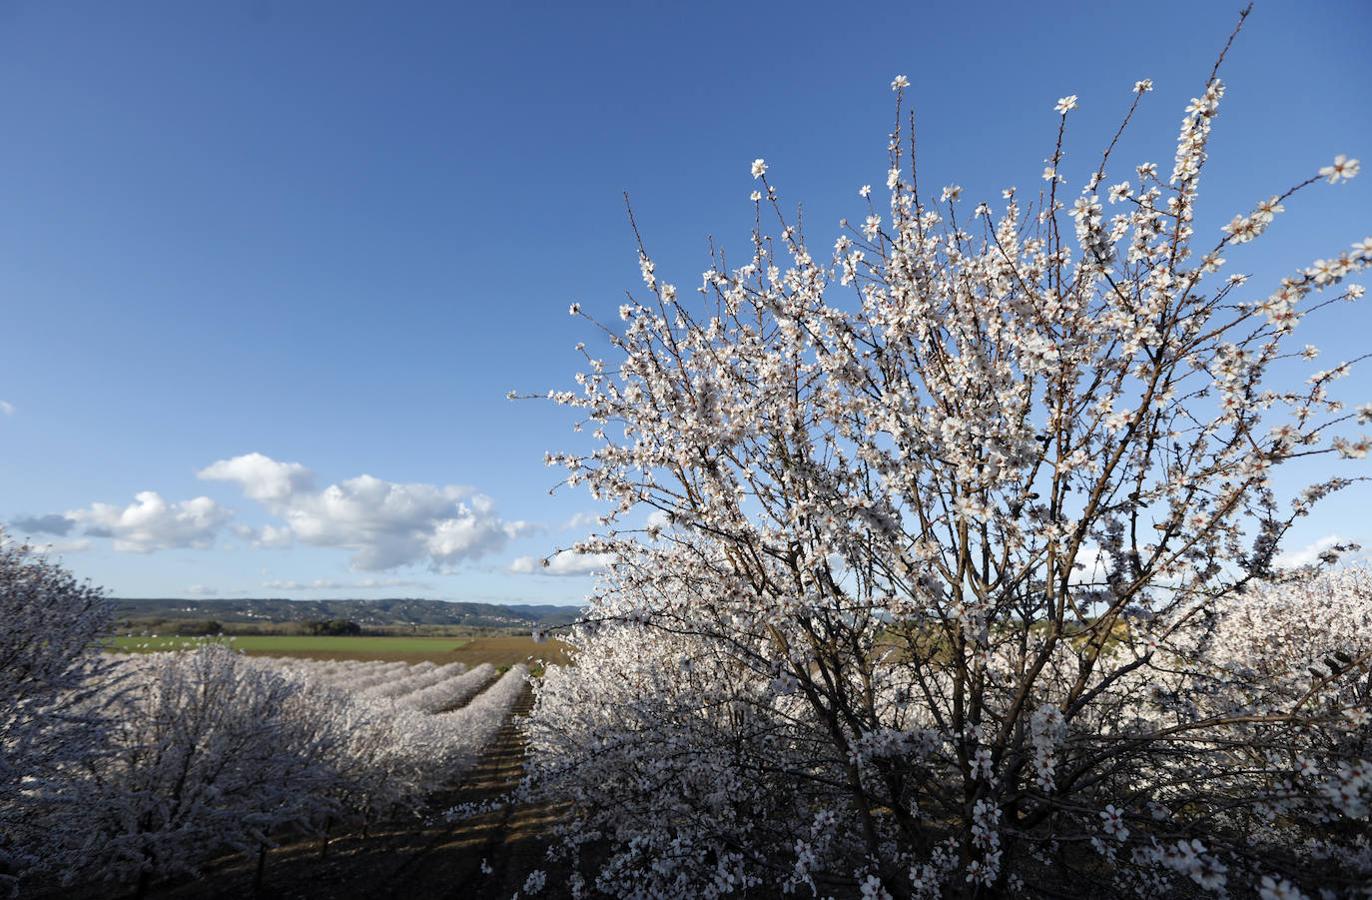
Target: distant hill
x=367, y=613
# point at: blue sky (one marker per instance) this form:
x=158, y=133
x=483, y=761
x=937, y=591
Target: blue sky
x=335, y=234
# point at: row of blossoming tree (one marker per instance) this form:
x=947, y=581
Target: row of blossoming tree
x=129, y=770
x=960, y=575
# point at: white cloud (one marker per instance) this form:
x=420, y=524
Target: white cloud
x=325, y=584
x=1090, y=567
x=261, y=477
x=80, y=545
x=582, y=520
x=266, y=536
x=386, y=524
x=200, y=590
x=6, y=407
x=1311, y=553
x=564, y=562
x=151, y=523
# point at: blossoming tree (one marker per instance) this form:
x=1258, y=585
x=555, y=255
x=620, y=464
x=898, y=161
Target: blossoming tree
x=956, y=543
x=205, y=753
x=47, y=656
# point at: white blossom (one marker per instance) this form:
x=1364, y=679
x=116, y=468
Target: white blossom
x=1342, y=169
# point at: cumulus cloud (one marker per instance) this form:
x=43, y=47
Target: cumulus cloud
x=151, y=523
x=386, y=524
x=1339, y=547
x=325, y=584
x=564, y=562
x=49, y=524
x=6, y=407
x=200, y=590
x=261, y=477
x=266, y=536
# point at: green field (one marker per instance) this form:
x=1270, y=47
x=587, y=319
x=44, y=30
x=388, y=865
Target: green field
x=498, y=650
x=435, y=648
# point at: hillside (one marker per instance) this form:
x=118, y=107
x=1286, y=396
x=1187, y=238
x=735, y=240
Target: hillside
x=367, y=613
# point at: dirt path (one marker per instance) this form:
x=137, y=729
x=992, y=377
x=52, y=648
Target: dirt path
x=411, y=859
x=511, y=840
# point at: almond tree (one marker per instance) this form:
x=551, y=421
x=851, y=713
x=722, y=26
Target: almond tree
x=47, y=655
x=205, y=753
x=949, y=535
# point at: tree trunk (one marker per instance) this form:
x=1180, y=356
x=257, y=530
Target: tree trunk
x=324, y=839
x=258, y=876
